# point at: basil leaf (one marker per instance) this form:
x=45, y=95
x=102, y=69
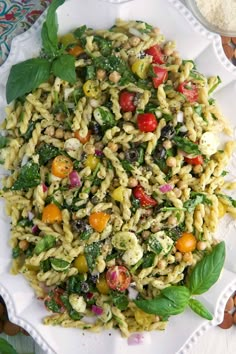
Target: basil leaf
x=170, y=302
x=44, y=244
x=47, y=152
x=52, y=305
x=74, y=315
x=28, y=134
x=120, y=300
x=6, y=348
x=200, y=309
x=148, y=260
x=198, y=198
x=45, y=266
x=51, y=21
x=64, y=67
x=186, y=145
x=59, y=264
x=26, y=76
x=91, y=253
x=48, y=47
x=207, y=271
x=29, y=177
x=3, y=141
x=126, y=165
x=16, y=251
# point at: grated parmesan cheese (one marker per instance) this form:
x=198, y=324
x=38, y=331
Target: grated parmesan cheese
x=221, y=13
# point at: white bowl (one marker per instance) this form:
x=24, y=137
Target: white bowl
x=193, y=42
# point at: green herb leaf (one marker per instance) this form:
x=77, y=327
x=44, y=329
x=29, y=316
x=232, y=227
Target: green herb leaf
x=64, y=67
x=74, y=315
x=16, y=251
x=126, y=165
x=29, y=131
x=29, y=177
x=186, y=145
x=6, y=348
x=48, y=47
x=196, y=199
x=44, y=244
x=120, y=300
x=148, y=260
x=91, y=253
x=154, y=245
x=85, y=235
x=3, y=141
x=26, y=76
x=45, y=265
x=59, y=264
x=207, y=271
x=104, y=117
x=52, y=305
x=200, y=309
x=215, y=86
x=47, y=152
x=51, y=21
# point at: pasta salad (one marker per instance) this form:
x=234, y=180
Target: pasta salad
x=116, y=181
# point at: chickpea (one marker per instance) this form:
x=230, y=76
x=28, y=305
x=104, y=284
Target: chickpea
x=50, y=131
x=172, y=221
x=114, y=77
x=127, y=116
x=101, y=74
x=188, y=257
x=94, y=189
x=182, y=185
x=112, y=146
x=177, y=192
x=89, y=149
x=145, y=234
x=178, y=256
x=162, y=264
x=134, y=41
x=171, y=161
x=197, y=169
x=23, y=245
x=60, y=117
x=121, y=155
x=59, y=133
x=132, y=182
x=201, y=245
x=155, y=228
x=68, y=135
x=167, y=144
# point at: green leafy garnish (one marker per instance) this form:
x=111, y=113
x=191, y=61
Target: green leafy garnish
x=3, y=141
x=196, y=199
x=154, y=245
x=29, y=177
x=215, y=86
x=64, y=67
x=186, y=145
x=74, y=315
x=120, y=300
x=126, y=165
x=91, y=253
x=200, y=309
x=6, y=348
x=44, y=244
x=59, y=264
x=47, y=152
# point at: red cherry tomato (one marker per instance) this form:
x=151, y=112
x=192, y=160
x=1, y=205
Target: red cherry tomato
x=189, y=90
x=145, y=199
x=55, y=295
x=126, y=101
x=147, y=122
x=197, y=160
x=118, y=278
x=156, y=53
x=161, y=76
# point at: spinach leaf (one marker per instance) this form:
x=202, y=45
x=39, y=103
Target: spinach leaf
x=126, y=165
x=91, y=253
x=6, y=348
x=186, y=145
x=120, y=300
x=141, y=154
x=74, y=315
x=86, y=234
x=105, y=45
x=74, y=285
x=104, y=117
x=25, y=222
x=148, y=260
x=90, y=72
x=52, y=305
x=45, y=265
x=198, y=109
x=16, y=251
x=59, y=264
x=44, y=244
x=29, y=131
x=200, y=309
x=172, y=302
x=51, y=23
x=196, y=199
x=47, y=152
x=26, y=76
x=29, y=177
x=207, y=271
x=3, y=141
x=80, y=34
x=64, y=67
x=154, y=245
x=215, y=86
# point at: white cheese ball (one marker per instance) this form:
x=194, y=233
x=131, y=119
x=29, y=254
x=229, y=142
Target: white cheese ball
x=208, y=143
x=124, y=240
x=133, y=255
x=77, y=302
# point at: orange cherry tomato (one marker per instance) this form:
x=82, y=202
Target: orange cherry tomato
x=118, y=278
x=62, y=166
x=186, y=243
x=76, y=51
x=98, y=221
x=82, y=139
x=51, y=214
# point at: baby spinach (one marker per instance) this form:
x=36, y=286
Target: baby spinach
x=126, y=165
x=207, y=270
x=74, y=315
x=200, y=309
x=47, y=152
x=59, y=264
x=186, y=145
x=45, y=265
x=148, y=260
x=196, y=199
x=120, y=300
x=16, y=251
x=105, y=45
x=53, y=305
x=91, y=253
x=44, y=244
x=3, y=141
x=28, y=134
x=154, y=245
x=29, y=177
x=6, y=348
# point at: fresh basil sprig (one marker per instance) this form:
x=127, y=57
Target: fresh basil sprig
x=186, y=145
x=173, y=300
x=28, y=75
x=6, y=348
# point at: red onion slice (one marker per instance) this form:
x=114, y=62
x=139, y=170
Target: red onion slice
x=166, y=188
x=97, y=310
x=74, y=179
x=98, y=153
x=136, y=339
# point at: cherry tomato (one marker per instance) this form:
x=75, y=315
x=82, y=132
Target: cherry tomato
x=62, y=166
x=118, y=278
x=51, y=214
x=126, y=101
x=76, y=51
x=83, y=139
x=189, y=90
x=157, y=54
x=161, y=76
x=56, y=296
x=186, y=243
x=98, y=220
x=147, y=122
x=197, y=160
x=145, y=199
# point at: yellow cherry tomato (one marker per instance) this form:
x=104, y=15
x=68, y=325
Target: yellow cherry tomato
x=81, y=264
x=91, y=88
x=98, y=221
x=118, y=194
x=62, y=166
x=221, y=209
x=140, y=67
x=76, y=50
x=51, y=214
x=67, y=39
x=186, y=243
x=91, y=162
x=102, y=286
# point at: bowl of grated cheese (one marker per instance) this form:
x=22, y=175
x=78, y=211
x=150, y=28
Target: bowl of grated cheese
x=216, y=15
